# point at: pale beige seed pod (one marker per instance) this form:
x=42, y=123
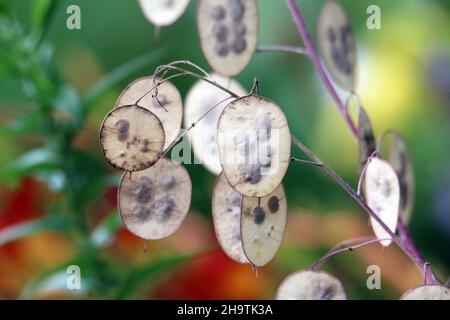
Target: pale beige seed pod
x=427, y=292
x=382, y=191
x=336, y=44
x=310, y=285
x=254, y=145
x=153, y=203
x=132, y=138
x=164, y=101
x=163, y=12
x=228, y=31
x=263, y=223
x=226, y=212
x=201, y=98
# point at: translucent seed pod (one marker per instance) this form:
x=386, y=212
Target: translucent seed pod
x=132, y=138
x=263, y=223
x=366, y=138
x=336, y=44
x=382, y=191
x=427, y=292
x=310, y=285
x=254, y=145
x=163, y=12
x=228, y=32
x=165, y=102
x=153, y=203
x=226, y=212
x=203, y=137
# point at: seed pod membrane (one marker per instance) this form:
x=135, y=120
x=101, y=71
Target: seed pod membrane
x=400, y=160
x=228, y=32
x=226, y=211
x=310, y=285
x=254, y=145
x=200, y=99
x=166, y=104
x=163, y=12
x=427, y=292
x=336, y=44
x=153, y=203
x=263, y=223
x=132, y=138
x=366, y=138
x=383, y=197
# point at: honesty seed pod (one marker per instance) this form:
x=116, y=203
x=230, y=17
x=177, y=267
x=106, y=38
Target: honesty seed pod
x=383, y=197
x=200, y=99
x=226, y=212
x=163, y=12
x=132, y=138
x=254, y=145
x=166, y=104
x=427, y=292
x=228, y=31
x=336, y=44
x=263, y=222
x=310, y=285
x=366, y=138
x=153, y=203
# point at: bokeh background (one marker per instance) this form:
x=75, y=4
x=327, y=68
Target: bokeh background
x=58, y=195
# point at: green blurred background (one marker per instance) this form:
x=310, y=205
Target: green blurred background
x=57, y=199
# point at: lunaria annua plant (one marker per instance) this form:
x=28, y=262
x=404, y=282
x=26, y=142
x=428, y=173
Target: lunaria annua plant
x=244, y=138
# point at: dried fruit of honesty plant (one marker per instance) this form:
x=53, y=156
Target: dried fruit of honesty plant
x=382, y=191
x=228, y=31
x=163, y=12
x=200, y=99
x=263, y=222
x=310, y=285
x=167, y=105
x=366, y=138
x=153, y=203
x=427, y=292
x=132, y=138
x=226, y=211
x=336, y=44
x=254, y=145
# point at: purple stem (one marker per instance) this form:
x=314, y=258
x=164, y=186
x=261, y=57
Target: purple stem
x=405, y=238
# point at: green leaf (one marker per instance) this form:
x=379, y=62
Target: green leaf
x=119, y=74
x=140, y=277
x=25, y=229
x=39, y=11
x=104, y=234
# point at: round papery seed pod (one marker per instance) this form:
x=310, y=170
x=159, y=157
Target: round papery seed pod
x=167, y=104
x=163, y=12
x=382, y=191
x=263, y=222
x=310, y=285
x=366, y=138
x=153, y=203
x=202, y=97
x=427, y=292
x=226, y=212
x=336, y=44
x=132, y=138
x=228, y=56
x=400, y=160
x=254, y=145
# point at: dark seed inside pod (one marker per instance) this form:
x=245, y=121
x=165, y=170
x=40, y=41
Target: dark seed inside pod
x=240, y=30
x=237, y=9
x=167, y=182
x=259, y=215
x=122, y=127
x=273, y=204
x=253, y=173
x=218, y=13
x=222, y=49
x=239, y=44
x=167, y=3
x=162, y=208
x=160, y=100
x=142, y=190
x=327, y=293
x=220, y=31
x=141, y=213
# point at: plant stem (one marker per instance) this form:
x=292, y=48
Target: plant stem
x=405, y=241
x=279, y=48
